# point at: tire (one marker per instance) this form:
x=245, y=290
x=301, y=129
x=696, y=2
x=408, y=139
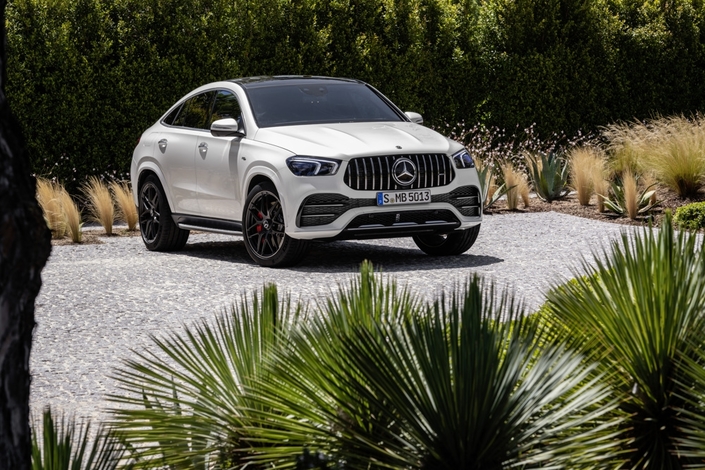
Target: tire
x=159, y=232
x=452, y=244
x=263, y=230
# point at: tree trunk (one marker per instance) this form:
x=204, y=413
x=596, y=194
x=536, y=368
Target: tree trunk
x=24, y=249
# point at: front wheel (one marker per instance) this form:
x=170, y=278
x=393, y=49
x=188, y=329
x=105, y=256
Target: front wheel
x=264, y=230
x=454, y=243
x=159, y=232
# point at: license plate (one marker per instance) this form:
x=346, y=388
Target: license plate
x=404, y=197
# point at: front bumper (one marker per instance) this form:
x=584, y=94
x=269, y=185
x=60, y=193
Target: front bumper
x=330, y=210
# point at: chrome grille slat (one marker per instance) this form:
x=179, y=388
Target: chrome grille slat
x=374, y=173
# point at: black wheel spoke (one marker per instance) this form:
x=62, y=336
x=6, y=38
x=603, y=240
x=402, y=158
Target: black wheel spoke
x=264, y=225
x=150, y=216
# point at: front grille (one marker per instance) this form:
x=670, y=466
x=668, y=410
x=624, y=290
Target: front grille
x=375, y=173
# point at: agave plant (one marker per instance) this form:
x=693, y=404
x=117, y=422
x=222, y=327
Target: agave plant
x=63, y=445
x=549, y=175
x=488, y=190
x=464, y=383
x=184, y=406
x=638, y=314
x=627, y=199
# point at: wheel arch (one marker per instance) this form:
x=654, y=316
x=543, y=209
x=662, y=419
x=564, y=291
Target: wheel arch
x=144, y=172
x=257, y=179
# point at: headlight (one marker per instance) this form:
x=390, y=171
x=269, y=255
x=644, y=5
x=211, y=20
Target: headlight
x=463, y=159
x=312, y=166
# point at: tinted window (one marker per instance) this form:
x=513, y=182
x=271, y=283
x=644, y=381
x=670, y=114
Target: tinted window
x=315, y=103
x=196, y=111
x=226, y=106
x=172, y=115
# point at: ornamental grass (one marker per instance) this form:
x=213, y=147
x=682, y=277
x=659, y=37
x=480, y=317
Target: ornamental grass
x=49, y=198
x=99, y=203
x=126, y=209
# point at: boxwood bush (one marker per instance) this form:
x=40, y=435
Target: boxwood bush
x=691, y=216
x=85, y=77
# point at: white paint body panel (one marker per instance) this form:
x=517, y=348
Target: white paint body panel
x=215, y=183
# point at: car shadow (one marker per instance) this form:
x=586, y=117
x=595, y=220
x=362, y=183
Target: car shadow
x=345, y=256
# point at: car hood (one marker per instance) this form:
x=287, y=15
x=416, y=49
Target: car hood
x=355, y=139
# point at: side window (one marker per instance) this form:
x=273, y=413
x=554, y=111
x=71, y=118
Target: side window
x=226, y=106
x=169, y=120
x=195, y=112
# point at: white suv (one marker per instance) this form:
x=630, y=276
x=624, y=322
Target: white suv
x=286, y=160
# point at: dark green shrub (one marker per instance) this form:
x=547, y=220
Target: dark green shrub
x=691, y=216
x=86, y=77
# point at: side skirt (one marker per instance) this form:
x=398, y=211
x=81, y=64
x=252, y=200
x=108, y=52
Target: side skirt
x=191, y=222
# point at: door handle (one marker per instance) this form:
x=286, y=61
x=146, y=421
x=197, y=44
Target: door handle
x=162, y=145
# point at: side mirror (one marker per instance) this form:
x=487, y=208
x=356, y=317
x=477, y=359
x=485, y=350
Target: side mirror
x=228, y=127
x=416, y=118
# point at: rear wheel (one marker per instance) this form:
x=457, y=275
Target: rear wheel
x=454, y=243
x=159, y=232
x=264, y=230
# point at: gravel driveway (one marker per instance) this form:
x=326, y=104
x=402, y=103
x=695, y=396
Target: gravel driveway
x=99, y=301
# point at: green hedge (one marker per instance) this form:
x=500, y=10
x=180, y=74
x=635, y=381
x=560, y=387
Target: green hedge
x=87, y=76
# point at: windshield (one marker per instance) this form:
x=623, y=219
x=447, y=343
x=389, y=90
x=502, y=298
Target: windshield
x=289, y=104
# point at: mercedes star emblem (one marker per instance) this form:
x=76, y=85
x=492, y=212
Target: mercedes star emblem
x=404, y=172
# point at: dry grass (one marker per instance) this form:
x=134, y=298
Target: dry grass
x=517, y=181
x=601, y=185
x=679, y=160
x=631, y=194
x=48, y=196
x=126, y=209
x=585, y=162
x=627, y=144
x=672, y=148
x=72, y=216
x=99, y=203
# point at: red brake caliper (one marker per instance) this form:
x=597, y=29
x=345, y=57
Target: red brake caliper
x=259, y=226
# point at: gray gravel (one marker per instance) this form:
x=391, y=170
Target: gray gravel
x=100, y=301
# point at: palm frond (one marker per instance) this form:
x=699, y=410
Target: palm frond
x=637, y=313
x=65, y=445
x=459, y=384
x=184, y=404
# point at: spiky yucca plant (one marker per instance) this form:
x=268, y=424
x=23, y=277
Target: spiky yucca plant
x=49, y=198
x=99, y=203
x=463, y=383
x=72, y=216
x=125, y=204
x=638, y=314
x=185, y=404
x=65, y=446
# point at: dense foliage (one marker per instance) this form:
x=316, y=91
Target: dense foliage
x=608, y=374
x=87, y=76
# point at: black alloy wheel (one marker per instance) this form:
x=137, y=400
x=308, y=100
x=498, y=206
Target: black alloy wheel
x=264, y=229
x=159, y=232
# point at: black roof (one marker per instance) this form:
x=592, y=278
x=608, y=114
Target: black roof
x=265, y=81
